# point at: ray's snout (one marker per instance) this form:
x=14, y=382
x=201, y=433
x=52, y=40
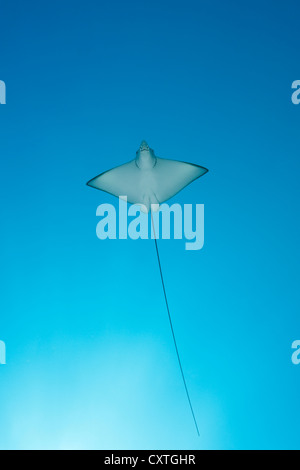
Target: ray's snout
x=144, y=146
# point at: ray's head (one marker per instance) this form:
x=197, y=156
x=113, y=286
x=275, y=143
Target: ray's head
x=145, y=157
x=144, y=147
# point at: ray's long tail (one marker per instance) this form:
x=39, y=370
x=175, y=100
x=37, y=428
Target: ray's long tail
x=172, y=328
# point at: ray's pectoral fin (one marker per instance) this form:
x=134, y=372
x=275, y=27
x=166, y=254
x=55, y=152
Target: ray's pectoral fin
x=172, y=176
x=120, y=181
